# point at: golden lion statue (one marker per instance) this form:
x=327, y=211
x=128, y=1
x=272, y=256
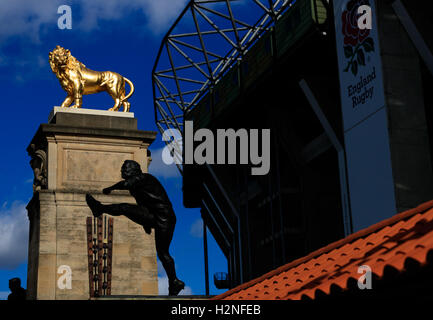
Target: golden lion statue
x=77, y=80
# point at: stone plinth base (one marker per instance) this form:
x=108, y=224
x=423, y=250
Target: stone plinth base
x=58, y=237
x=75, y=153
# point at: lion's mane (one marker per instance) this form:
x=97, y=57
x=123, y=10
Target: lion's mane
x=60, y=57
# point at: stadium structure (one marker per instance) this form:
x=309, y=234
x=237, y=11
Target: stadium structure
x=275, y=65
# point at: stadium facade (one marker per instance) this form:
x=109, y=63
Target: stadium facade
x=350, y=114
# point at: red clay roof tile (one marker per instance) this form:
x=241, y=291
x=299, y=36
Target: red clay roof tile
x=387, y=243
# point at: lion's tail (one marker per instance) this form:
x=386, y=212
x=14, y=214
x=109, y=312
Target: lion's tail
x=132, y=89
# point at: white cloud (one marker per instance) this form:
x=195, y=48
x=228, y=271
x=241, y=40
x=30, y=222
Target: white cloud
x=159, y=14
x=197, y=229
x=159, y=169
x=26, y=17
x=163, y=282
x=163, y=287
x=24, y=22
x=4, y=295
x=14, y=233
x=160, y=268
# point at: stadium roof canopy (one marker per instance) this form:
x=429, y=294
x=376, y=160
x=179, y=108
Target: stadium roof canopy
x=206, y=40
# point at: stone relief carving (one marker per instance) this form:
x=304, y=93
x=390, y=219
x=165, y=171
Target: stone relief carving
x=39, y=167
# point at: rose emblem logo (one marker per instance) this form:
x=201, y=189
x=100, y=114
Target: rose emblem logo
x=356, y=41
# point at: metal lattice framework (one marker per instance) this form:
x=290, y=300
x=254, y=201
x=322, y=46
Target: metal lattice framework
x=214, y=35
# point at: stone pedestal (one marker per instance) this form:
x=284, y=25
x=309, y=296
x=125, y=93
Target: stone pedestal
x=81, y=151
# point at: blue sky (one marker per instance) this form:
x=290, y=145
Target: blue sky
x=121, y=36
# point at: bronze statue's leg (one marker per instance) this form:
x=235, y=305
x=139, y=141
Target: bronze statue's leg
x=126, y=106
x=117, y=103
x=116, y=98
x=67, y=101
x=138, y=214
x=163, y=237
x=78, y=87
x=78, y=101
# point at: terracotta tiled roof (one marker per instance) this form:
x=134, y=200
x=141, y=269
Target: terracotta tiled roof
x=387, y=243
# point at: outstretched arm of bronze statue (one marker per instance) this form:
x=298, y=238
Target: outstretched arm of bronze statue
x=121, y=185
